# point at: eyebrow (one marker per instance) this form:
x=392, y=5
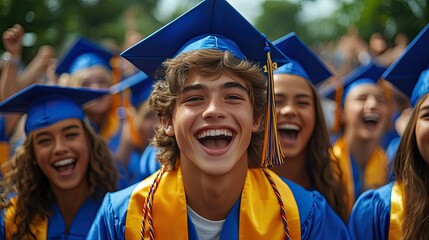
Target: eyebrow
x=301, y=95
x=227, y=85
x=425, y=108
x=74, y=126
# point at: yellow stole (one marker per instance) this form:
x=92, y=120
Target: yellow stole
x=39, y=226
x=4, y=156
x=396, y=212
x=375, y=172
x=259, y=211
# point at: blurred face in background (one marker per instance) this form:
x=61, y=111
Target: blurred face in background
x=95, y=77
x=365, y=112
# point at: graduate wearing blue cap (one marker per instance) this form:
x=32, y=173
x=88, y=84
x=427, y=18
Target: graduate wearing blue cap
x=62, y=170
x=300, y=122
x=137, y=129
x=87, y=64
x=210, y=103
x=399, y=209
x=364, y=111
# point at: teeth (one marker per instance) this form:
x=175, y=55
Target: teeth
x=371, y=118
x=64, y=162
x=214, y=133
x=288, y=127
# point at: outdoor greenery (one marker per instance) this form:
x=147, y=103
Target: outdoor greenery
x=53, y=22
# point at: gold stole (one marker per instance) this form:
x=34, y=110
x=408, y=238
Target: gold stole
x=4, y=156
x=375, y=174
x=260, y=216
x=39, y=226
x=396, y=212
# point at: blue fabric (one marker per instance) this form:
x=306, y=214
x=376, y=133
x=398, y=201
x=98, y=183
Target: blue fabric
x=391, y=153
x=303, y=61
x=3, y=134
x=370, y=217
x=357, y=177
x=56, y=226
x=48, y=104
x=318, y=219
x=148, y=163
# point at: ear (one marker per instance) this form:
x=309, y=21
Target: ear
x=168, y=127
x=256, y=124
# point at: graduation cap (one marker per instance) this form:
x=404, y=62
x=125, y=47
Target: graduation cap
x=410, y=72
x=48, y=104
x=364, y=74
x=215, y=24
x=303, y=61
x=84, y=54
x=212, y=24
x=139, y=84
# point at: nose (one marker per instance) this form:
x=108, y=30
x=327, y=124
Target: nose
x=287, y=110
x=60, y=147
x=214, y=110
x=371, y=102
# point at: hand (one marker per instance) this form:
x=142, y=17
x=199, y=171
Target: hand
x=12, y=39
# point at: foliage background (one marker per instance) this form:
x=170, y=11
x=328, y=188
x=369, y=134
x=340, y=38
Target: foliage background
x=55, y=22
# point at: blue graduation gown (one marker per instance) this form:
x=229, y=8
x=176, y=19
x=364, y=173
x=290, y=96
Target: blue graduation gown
x=370, y=217
x=56, y=226
x=318, y=220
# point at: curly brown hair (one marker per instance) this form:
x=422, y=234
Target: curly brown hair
x=205, y=62
x=412, y=173
x=26, y=183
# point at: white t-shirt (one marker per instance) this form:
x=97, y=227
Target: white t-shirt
x=206, y=229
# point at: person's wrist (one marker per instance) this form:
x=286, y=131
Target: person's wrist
x=13, y=58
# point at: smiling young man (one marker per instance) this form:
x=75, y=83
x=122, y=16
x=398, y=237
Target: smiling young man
x=211, y=103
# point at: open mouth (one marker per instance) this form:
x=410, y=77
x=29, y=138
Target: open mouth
x=215, y=138
x=288, y=131
x=371, y=120
x=65, y=166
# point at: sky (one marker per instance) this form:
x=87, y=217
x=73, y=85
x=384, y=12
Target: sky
x=250, y=9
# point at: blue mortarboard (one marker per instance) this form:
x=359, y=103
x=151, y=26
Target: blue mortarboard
x=139, y=84
x=410, y=72
x=48, y=104
x=303, y=61
x=363, y=74
x=215, y=24
x=212, y=24
x=84, y=54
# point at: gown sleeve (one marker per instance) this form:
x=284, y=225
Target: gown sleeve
x=370, y=217
x=110, y=220
x=318, y=219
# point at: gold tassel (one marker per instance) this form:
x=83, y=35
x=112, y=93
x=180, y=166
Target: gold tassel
x=336, y=128
x=272, y=154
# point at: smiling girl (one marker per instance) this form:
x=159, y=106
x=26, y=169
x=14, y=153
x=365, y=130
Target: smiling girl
x=62, y=170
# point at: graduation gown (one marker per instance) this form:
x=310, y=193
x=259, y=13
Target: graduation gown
x=374, y=174
x=255, y=215
x=378, y=214
x=54, y=227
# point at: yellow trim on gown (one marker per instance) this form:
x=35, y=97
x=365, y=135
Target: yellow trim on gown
x=375, y=174
x=260, y=216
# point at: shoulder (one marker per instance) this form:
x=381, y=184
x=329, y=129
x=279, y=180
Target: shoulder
x=371, y=213
x=317, y=218
x=303, y=198
x=117, y=202
x=374, y=200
